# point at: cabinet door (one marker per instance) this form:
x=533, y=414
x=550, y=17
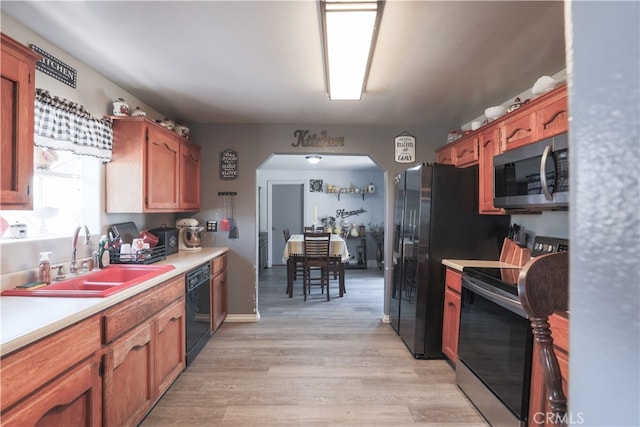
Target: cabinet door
x=518, y=130
x=169, y=336
x=163, y=163
x=451, y=324
x=73, y=399
x=553, y=116
x=189, y=176
x=17, y=92
x=128, y=378
x=445, y=156
x=489, y=147
x=219, y=297
x=466, y=151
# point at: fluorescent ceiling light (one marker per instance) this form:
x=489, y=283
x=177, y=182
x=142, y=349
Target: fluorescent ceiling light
x=349, y=32
x=313, y=159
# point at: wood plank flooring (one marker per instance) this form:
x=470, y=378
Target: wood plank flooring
x=314, y=363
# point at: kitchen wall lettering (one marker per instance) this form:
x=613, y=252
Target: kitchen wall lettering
x=55, y=68
x=304, y=138
x=342, y=213
x=228, y=164
x=405, y=148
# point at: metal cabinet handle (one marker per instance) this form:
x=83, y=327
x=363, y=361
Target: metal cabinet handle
x=543, y=173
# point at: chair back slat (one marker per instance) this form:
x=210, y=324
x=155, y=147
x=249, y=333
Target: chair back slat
x=316, y=245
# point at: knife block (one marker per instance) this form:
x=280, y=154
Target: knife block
x=513, y=254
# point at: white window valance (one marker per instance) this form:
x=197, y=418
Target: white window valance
x=61, y=124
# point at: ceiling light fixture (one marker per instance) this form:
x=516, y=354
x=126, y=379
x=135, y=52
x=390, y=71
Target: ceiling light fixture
x=314, y=160
x=349, y=32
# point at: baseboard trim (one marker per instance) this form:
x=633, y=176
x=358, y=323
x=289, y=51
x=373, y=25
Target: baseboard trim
x=242, y=318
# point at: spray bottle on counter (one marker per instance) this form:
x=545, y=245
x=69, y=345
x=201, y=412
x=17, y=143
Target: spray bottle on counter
x=44, y=269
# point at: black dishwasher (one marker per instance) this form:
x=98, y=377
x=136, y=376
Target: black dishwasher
x=198, y=310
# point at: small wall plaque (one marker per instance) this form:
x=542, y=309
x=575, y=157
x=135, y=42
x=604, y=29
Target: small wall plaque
x=228, y=164
x=405, y=148
x=55, y=68
x=315, y=185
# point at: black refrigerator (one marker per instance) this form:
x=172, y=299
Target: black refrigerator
x=436, y=216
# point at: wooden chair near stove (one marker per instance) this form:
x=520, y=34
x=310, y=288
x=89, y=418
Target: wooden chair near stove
x=543, y=289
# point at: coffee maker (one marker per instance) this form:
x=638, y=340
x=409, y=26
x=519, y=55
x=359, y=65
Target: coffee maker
x=190, y=234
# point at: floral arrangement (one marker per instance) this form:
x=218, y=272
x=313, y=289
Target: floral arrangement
x=328, y=221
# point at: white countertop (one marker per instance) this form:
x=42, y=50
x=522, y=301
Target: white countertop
x=459, y=264
x=24, y=320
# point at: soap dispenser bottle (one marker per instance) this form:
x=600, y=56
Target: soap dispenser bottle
x=44, y=269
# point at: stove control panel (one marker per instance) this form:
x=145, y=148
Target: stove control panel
x=546, y=245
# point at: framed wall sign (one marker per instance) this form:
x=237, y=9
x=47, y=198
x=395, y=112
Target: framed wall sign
x=405, y=148
x=228, y=164
x=315, y=185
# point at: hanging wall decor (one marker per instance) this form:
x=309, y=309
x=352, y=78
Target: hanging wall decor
x=228, y=164
x=315, y=185
x=55, y=68
x=405, y=148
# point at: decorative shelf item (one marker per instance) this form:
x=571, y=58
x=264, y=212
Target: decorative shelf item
x=351, y=189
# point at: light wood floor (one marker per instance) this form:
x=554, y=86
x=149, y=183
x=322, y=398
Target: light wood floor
x=314, y=363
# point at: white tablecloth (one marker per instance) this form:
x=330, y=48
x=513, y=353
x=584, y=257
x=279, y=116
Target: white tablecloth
x=295, y=246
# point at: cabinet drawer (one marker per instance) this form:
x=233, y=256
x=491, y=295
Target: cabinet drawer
x=218, y=264
x=27, y=369
x=126, y=315
x=453, y=280
x=466, y=152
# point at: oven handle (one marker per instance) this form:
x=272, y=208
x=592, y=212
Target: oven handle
x=502, y=301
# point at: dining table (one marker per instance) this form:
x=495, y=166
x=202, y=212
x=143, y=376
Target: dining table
x=294, y=253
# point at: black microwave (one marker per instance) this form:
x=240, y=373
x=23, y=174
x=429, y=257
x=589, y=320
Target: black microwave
x=534, y=177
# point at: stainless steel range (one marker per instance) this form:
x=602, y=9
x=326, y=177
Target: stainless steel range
x=495, y=343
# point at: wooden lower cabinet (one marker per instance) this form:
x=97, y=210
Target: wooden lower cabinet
x=539, y=407
x=128, y=377
x=451, y=314
x=72, y=399
x=169, y=335
x=218, y=291
x=108, y=369
x=143, y=361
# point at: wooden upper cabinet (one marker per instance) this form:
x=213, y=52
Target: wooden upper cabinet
x=553, y=116
x=465, y=151
x=162, y=171
x=152, y=169
x=544, y=117
x=16, y=120
x=518, y=129
x=489, y=146
x=189, y=193
x=444, y=155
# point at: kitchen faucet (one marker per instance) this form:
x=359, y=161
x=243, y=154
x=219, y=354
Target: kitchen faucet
x=73, y=269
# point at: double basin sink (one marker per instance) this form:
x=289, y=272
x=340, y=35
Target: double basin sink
x=112, y=279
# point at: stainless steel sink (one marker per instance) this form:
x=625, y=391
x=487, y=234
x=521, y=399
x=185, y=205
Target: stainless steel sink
x=115, y=278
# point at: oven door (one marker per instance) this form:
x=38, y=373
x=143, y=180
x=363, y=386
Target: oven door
x=494, y=351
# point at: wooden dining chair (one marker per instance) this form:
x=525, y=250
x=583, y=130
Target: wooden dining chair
x=316, y=260
x=297, y=272
x=308, y=229
x=543, y=289
x=287, y=235
x=319, y=229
